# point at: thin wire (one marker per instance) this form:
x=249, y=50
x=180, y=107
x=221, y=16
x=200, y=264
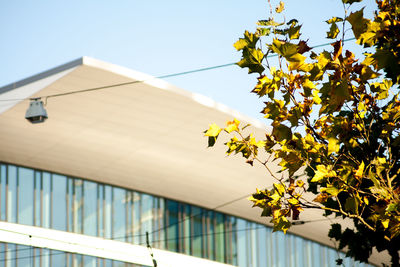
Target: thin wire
x=158, y=77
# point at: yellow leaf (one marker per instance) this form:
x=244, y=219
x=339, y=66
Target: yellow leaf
x=385, y=223
x=321, y=173
x=360, y=171
x=213, y=130
x=280, y=8
x=232, y=126
x=333, y=145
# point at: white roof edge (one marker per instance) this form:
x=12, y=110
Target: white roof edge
x=148, y=79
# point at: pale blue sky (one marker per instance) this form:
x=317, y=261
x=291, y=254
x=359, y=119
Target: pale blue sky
x=156, y=37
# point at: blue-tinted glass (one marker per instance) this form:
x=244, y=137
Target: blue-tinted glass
x=78, y=206
x=3, y=249
x=58, y=258
x=45, y=257
x=119, y=214
x=234, y=241
x=147, y=213
x=12, y=194
x=89, y=261
x=241, y=243
x=77, y=260
x=70, y=204
x=11, y=255
x=173, y=226
x=100, y=209
x=187, y=230
x=220, y=237
x=262, y=246
x=46, y=205
x=316, y=255
x=197, y=225
x=3, y=191
x=281, y=246
x=59, y=203
x=24, y=254
x=90, y=208
x=137, y=218
x=108, y=211
x=25, y=195
x=129, y=218
x=37, y=254
x=299, y=251
x=38, y=190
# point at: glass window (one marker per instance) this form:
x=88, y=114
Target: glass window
x=197, y=224
x=3, y=191
x=59, y=203
x=78, y=206
x=173, y=226
x=220, y=237
x=241, y=243
x=108, y=211
x=25, y=195
x=38, y=190
x=12, y=194
x=24, y=255
x=119, y=214
x=137, y=219
x=46, y=201
x=89, y=261
x=100, y=209
x=90, y=208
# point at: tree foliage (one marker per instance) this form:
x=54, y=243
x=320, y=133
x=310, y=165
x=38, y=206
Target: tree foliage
x=335, y=117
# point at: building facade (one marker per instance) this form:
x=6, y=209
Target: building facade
x=87, y=187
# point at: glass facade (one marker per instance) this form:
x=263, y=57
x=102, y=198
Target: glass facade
x=39, y=198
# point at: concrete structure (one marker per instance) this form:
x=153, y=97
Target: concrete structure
x=140, y=140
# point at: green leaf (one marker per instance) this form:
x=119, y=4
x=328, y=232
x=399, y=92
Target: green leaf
x=331, y=190
x=252, y=59
x=358, y=22
x=281, y=224
x=352, y=205
x=282, y=132
x=249, y=41
x=294, y=32
x=333, y=31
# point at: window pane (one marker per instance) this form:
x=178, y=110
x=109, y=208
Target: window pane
x=12, y=194
x=119, y=216
x=25, y=195
x=108, y=211
x=197, y=220
x=38, y=190
x=172, y=229
x=59, y=211
x=220, y=237
x=46, y=205
x=3, y=191
x=90, y=208
x=78, y=203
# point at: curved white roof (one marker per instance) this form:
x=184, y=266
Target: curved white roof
x=145, y=136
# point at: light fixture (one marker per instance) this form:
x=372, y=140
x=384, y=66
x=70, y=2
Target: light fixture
x=36, y=112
